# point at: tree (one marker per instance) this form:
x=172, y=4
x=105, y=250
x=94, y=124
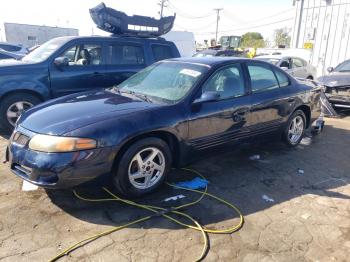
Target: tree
x=252, y=39
x=282, y=37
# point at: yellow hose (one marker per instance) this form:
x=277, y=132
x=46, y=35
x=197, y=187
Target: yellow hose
x=160, y=211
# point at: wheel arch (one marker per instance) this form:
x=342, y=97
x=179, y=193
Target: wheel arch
x=168, y=137
x=307, y=111
x=22, y=91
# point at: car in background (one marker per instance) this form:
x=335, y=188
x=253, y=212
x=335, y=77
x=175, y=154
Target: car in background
x=13, y=48
x=163, y=116
x=9, y=55
x=295, y=66
x=337, y=85
x=219, y=52
x=73, y=64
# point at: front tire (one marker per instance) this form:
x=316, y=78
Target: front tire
x=143, y=167
x=295, y=128
x=12, y=106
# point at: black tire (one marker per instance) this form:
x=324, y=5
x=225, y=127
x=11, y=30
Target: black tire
x=285, y=135
x=10, y=100
x=120, y=174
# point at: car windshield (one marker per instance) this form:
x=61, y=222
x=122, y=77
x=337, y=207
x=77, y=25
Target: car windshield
x=45, y=50
x=273, y=61
x=165, y=82
x=343, y=67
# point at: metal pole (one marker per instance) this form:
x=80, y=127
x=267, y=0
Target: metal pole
x=162, y=7
x=299, y=24
x=217, y=23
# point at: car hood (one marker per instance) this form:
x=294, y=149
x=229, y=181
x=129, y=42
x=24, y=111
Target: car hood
x=65, y=114
x=336, y=79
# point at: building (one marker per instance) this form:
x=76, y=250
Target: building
x=323, y=26
x=31, y=35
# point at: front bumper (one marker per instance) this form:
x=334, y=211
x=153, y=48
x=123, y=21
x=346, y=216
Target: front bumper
x=338, y=96
x=57, y=170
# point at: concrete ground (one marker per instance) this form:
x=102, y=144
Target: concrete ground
x=290, y=215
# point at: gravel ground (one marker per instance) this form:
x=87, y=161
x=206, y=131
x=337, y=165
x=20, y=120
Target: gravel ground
x=289, y=215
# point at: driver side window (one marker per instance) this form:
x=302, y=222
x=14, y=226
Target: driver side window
x=228, y=82
x=83, y=55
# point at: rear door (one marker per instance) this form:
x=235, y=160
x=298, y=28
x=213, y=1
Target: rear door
x=84, y=72
x=268, y=102
x=123, y=59
x=226, y=120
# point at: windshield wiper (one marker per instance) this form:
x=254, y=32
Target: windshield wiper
x=133, y=93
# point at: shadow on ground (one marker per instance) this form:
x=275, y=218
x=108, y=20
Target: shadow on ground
x=236, y=178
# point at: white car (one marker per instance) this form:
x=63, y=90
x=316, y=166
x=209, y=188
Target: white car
x=295, y=66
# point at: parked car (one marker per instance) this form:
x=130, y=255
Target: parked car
x=13, y=48
x=337, y=85
x=219, y=52
x=8, y=55
x=295, y=66
x=161, y=117
x=67, y=65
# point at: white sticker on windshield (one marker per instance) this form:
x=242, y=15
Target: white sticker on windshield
x=190, y=72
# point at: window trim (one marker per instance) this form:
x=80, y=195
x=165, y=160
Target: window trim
x=246, y=90
x=283, y=73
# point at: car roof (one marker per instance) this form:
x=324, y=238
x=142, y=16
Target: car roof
x=114, y=37
x=209, y=61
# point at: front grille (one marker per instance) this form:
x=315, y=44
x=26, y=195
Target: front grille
x=20, y=139
x=339, y=91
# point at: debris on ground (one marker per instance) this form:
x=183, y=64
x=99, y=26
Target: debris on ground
x=267, y=199
x=255, y=157
x=301, y=171
x=306, y=216
x=196, y=183
x=174, y=198
x=26, y=186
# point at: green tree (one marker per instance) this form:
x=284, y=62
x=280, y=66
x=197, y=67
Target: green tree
x=252, y=39
x=282, y=37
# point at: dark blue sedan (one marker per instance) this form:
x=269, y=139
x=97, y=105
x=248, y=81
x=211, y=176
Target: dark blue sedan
x=163, y=116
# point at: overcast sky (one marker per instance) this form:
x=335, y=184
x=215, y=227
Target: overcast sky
x=238, y=16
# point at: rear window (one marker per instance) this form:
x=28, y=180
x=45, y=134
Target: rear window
x=161, y=52
x=10, y=48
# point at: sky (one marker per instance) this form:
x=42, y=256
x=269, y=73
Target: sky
x=198, y=16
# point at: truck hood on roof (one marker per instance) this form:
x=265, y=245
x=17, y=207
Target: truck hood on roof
x=65, y=114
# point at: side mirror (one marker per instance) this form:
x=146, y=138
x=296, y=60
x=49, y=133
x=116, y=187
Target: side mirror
x=330, y=69
x=284, y=68
x=208, y=96
x=61, y=62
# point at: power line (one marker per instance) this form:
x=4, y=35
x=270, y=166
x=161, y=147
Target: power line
x=259, y=19
x=244, y=28
x=198, y=28
x=186, y=15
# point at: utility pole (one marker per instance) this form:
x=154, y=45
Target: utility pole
x=162, y=5
x=300, y=20
x=217, y=23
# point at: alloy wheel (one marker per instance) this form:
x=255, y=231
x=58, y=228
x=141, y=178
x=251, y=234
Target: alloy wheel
x=15, y=110
x=296, y=129
x=146, y=168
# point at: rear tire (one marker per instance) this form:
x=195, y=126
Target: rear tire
x=12, y=106
x=295, y=128
x=143, y=167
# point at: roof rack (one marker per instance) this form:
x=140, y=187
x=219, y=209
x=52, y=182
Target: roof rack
x=118, y=23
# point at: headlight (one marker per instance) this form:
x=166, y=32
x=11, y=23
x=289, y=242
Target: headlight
x=56, y=144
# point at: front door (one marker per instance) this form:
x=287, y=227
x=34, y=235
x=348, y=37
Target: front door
x=225, y=120
x=84, y=72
